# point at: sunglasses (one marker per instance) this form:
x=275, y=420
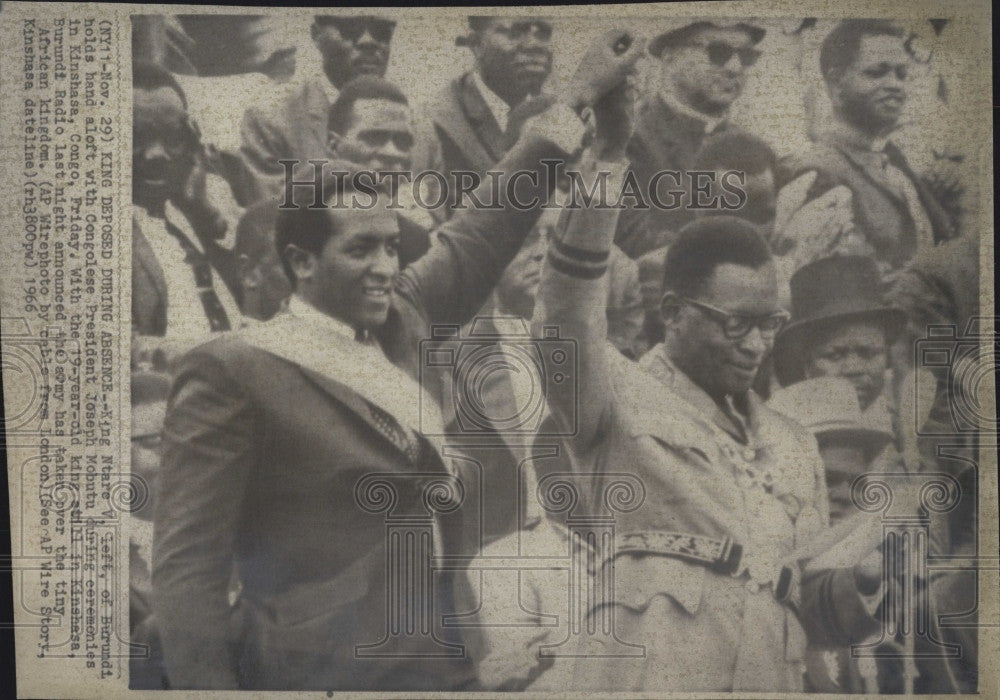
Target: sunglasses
x=737, y=327
x=378, y=138
x=719, y=53
x=517, y=31
x=352, y=28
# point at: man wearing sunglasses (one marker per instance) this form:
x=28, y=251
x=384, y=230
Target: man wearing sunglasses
x=703, y=70
x=294, y=126
x=473, y=122
x=867, y=68
x=705, y=578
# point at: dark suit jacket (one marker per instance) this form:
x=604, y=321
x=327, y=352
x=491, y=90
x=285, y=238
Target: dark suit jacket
x=880, y=212
x=461, y=133
x=261, y=457
x=150, y=295
x=292, y=125
x=663, y=140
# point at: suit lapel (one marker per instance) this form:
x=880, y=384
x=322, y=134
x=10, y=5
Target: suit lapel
x=144, y=257
x=467, y=121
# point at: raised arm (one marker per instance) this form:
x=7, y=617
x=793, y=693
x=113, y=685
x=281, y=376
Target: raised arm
x=573, y=291
x=470, y=252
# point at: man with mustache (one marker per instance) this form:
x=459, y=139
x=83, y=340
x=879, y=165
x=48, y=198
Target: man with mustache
x=703, y=70
x=294, y=125
x=705, y=578
x=866, y=67
x=471, y=125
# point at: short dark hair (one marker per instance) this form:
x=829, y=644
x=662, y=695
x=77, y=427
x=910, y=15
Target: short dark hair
x=255, y=232
x=310, y=228
x=704, y=244
x=364, y=87
x=150, y=76
x=735, y=150
x=840, y=47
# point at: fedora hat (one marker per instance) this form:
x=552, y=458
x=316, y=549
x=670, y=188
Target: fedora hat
x=839, y=288
x=828, y=406
x=680, y=30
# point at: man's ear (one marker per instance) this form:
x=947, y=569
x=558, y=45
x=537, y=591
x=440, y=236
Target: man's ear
x=333, y=140
x=314, y=31
x=670, y=306
x=302, y=262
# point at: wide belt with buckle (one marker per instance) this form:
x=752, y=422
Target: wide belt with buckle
x=723, y=556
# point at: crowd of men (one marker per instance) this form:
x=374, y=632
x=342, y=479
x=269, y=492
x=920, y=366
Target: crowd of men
x=744, y=365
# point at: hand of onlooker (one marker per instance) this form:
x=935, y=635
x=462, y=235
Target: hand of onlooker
x=603, y=67
x=193, y=200
x=822, y=227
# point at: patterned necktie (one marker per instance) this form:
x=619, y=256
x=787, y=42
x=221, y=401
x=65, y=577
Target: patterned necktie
x=218, y=320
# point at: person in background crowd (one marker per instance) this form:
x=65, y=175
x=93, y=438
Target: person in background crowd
x=841, y=327
x=940, y=287
x=183, y=280
x=471, y=124
x=866, y=67
x=849, y=447
x=149, y=405
x=371, y=128
x=294, y=125
x=726, y=152
x=717, y=465
x=333, y=386
x=703, y=70
x=264, y=287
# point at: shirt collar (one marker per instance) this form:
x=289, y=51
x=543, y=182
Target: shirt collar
x=711, y=123
x=302, y=309
x=499, y=108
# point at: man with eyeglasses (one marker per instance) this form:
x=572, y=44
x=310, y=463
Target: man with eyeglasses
x=706, y=570
x=703, y=70
x=294, y=125
x=867, y=67
x=473, y=122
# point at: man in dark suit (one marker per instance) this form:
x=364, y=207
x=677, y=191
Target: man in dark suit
x=183, y=279
x=703, y=69
x=471, y=125
x=291, y=447
x=293, y=126
x=866, y=65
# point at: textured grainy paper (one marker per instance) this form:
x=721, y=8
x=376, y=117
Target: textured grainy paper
x=65, y=271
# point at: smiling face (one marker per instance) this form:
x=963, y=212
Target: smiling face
x=872, y=91
x=351, y=277
x=163, y=146
x=696, y=341
x=519, y=285
x=514, y=56
x=379, y=136
x=690, y=73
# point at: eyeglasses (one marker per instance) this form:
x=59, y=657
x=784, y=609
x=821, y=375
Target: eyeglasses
x=719, y=53
x=351, y=28
x=518, y=31
x=736, y=327
x=379, y=138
